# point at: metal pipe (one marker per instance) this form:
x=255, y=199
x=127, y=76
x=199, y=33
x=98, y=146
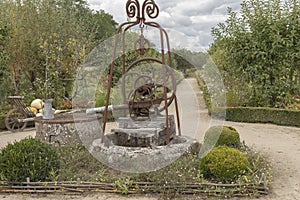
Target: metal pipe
x=109, y=108
x=25, y=120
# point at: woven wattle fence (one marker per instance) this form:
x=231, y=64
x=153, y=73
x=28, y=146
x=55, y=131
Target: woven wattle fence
x=79, y=187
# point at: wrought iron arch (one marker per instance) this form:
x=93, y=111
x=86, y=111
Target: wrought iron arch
x=141, y=13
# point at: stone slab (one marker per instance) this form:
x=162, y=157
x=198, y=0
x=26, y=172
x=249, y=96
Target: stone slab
x=155, y=122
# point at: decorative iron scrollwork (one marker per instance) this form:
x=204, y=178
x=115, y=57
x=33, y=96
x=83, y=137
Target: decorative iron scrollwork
x=133, y=9
x=149, y=9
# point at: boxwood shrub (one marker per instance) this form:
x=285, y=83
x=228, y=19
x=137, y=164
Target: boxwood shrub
x=224, y=164
x=28, y=158
x=222, y=135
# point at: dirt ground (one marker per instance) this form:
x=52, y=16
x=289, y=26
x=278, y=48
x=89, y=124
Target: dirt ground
x=280, y=144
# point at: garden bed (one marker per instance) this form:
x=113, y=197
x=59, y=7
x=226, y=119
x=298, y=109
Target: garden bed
x=85, y=174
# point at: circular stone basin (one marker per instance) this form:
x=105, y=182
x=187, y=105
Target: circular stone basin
x=140, y=159
x=63, y=129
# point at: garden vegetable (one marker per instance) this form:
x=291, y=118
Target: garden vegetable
x=37, y=103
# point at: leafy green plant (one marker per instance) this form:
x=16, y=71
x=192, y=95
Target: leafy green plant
x=224, y=164
x=100, y=100
x=295, y=103
x=222, y=135
x=28, y=158
x=123, y=185
x=260, y=167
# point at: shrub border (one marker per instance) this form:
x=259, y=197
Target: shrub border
x=281, y=117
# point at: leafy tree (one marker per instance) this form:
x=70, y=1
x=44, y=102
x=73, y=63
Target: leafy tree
x=259, y=49
x=182, y=63
x=48, y=40
x=4, y=59
x=187, y=60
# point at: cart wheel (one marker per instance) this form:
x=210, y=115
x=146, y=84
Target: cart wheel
x=12, y=123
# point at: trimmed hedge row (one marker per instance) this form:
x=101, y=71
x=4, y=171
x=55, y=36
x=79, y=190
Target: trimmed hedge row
x=206, y=94
x=263, y=115
x=252, y=114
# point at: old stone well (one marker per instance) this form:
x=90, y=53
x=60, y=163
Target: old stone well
x=147, y=135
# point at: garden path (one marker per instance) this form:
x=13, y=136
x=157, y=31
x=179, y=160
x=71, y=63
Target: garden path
x=280, y=144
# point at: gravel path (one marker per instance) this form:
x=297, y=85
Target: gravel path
x=280, y=144
x=7, y=137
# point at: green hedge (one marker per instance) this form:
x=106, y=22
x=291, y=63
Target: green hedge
x=206, y=94
x=252, y=114
x=262, y=115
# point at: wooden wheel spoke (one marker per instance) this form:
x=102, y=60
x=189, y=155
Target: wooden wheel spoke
x=11, y=120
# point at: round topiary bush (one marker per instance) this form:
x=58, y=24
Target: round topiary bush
x=224, y=164
x=28, y=158
x=222, y=135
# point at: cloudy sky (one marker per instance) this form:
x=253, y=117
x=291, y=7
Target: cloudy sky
x=188, y=22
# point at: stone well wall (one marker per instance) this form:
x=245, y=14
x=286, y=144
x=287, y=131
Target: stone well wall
x=145, y=133
x=64, y=129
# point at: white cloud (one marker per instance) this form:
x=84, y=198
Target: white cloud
x=188, y=22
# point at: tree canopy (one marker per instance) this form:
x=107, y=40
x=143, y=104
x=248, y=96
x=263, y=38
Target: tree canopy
x=258, y=52
x=186, y=59
x=43, y=42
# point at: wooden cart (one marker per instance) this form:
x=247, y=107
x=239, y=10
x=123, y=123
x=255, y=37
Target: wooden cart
x=17, y=118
